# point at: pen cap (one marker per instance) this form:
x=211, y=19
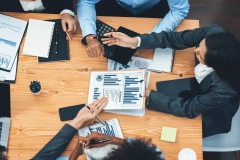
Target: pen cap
x=187, y=154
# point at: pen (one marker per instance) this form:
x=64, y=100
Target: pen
x=56, y=43
x=68, y=36
x=93, y=141
x=153, y=70
x=104, y=123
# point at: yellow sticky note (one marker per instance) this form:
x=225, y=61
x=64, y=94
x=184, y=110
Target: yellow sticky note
x=168, y=134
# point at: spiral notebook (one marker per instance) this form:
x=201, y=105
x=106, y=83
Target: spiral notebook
x=39, y=38
x=59, y=50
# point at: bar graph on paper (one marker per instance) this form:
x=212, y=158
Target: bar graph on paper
x=123, y=89
x=112, y=129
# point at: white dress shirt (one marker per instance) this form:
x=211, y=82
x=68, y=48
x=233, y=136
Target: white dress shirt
x=201, y=71
x=37, y=6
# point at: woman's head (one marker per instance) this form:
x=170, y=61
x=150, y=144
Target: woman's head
x=138, y=149
x=221, y=51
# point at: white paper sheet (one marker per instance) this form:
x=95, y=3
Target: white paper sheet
x=112, y=129
x=134, y=63
x=124, y=89
x=11, y=33
x=9, y=76
x=163, y=59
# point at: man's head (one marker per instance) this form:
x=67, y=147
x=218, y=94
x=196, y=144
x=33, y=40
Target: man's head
x=138, y=149
x=3, y=153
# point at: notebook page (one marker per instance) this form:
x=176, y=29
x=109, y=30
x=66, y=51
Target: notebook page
x=38, y=38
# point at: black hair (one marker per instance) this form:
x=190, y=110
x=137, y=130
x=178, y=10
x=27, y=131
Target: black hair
x=3, y=149
x=138, y=149
x=223, y=55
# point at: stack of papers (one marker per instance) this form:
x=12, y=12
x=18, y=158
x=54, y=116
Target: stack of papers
x=11, y=33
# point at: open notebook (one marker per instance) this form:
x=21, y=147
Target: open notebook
x=39, y=38
x=112, y=129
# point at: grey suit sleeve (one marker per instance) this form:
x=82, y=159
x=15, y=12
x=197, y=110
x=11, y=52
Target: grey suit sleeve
x=217, y=96
x=178, y=40
x=57, y=144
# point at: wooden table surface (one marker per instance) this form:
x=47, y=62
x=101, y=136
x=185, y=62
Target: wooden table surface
x=35, y=119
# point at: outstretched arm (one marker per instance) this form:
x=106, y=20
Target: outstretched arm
x=60, y=141
x=174, y=40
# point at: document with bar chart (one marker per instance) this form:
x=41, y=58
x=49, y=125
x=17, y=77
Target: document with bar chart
x=124, y=89
x=112, y=129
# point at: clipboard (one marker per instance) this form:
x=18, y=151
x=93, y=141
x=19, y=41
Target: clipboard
x=125, y=89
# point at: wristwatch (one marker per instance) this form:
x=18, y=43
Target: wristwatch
x=84, y=40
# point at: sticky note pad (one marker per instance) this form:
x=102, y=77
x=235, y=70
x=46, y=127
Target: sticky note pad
x=168, y=134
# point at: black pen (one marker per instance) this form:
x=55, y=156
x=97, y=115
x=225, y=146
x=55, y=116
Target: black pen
x=93, y=141
x=56, y=43
x=104, y=123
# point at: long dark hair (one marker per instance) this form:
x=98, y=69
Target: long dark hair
x=138, y=149
x=223, y=55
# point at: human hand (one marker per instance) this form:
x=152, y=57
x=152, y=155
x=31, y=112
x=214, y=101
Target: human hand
x=119, y=39
x=98, y=136
x=68, y=20
x=85, y=115
x=94, y=47
x=78, y=150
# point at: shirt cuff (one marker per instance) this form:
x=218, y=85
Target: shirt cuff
x=68, y=11
x=139, y=42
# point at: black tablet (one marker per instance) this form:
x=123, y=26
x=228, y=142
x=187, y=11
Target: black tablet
x=120, y=54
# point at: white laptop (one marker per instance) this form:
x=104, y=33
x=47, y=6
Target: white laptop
x=4, y=113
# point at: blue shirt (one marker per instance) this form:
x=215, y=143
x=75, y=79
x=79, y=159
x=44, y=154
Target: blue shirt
x=178, y=11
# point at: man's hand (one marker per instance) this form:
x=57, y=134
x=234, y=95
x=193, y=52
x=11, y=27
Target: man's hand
x=119, y=39
x=78, y=150
x=94, y=47
x=85, y=114
x=68, y=20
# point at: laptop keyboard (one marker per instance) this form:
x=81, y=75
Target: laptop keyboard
x=1, y=129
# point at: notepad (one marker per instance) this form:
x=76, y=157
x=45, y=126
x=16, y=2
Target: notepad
x=163, y=59
x=168, y=134
x=38, y=38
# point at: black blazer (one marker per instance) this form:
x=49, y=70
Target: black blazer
x=216, y=100
x=51, y=6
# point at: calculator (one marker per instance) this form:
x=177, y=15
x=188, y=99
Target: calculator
x=103, y=28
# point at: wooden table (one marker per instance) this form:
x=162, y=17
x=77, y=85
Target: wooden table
x=35, y=119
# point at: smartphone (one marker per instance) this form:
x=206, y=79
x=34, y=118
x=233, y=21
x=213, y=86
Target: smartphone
x=69, y=113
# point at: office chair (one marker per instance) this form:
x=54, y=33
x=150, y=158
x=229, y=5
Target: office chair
x=225, y=142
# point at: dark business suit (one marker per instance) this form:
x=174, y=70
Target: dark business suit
x=57, y=145
x=51, y=6
x=217, y=101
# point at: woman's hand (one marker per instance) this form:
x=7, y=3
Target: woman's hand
x=85, y=114
x=120, y=39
